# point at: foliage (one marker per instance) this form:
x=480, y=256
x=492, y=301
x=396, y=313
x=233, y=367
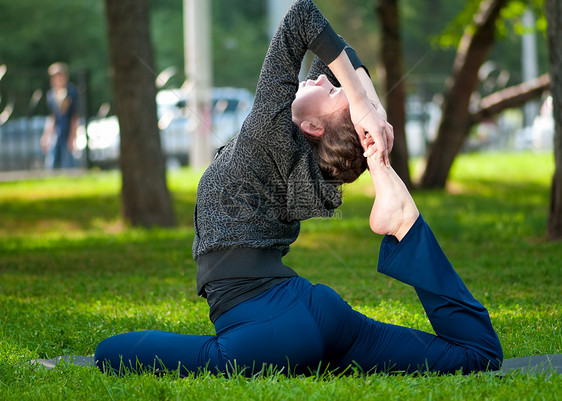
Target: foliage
x=166, y=23
x=426, y=65
x=506, y=54
x=240, y=41
x=72, y=274
x=356, y=21
x=35, y=34
x=512, y=13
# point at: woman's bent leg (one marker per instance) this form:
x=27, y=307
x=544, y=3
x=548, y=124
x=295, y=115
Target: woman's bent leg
x=465, y=337
x=159, y=351
x=456, y=316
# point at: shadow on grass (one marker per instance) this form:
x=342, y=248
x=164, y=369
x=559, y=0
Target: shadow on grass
x=72, y=326
x=76, y=327
x=136, y=279
x=77, y=214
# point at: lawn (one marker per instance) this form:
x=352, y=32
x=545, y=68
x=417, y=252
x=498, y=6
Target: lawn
x=72, y=274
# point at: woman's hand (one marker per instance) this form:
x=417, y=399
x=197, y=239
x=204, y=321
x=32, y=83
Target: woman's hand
x=375, y=133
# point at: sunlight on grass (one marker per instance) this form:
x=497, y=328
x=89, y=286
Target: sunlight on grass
x=72, y=273
x=94, y=183
x=505, y=167
x=527, y=330
x=68, y=205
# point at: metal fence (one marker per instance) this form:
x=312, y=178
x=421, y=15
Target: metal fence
x=23, y=113
x=98, y=139
x=19, y=144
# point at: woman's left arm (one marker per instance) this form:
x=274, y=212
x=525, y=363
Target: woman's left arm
x=303, y=27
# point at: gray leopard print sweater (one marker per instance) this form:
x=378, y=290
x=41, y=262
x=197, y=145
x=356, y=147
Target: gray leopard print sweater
x=266, y=180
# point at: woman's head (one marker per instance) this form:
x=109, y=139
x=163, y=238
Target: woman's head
x=58, y=73
x=322, y=113
x=338, y=150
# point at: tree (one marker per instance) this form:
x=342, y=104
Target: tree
x=473, y=50
x=457, y=116
x=146, y=200
x=554, y=32
x=394, y=89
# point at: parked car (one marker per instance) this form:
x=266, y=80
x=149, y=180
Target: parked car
x=230, y=106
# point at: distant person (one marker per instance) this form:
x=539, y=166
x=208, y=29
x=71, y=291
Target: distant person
x=59, y=134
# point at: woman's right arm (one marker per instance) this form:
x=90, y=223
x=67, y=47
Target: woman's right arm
x=367, y=83
x=371, y=92
x=318, y=67
x=364, y=114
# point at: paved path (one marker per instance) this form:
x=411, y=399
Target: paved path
x=7, y=176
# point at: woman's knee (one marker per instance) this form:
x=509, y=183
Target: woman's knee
x=488, y=354
x=105, y=355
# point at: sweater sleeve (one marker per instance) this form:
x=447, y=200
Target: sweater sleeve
x=303, y=27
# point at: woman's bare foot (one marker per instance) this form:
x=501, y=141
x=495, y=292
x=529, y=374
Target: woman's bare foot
x=394, y=211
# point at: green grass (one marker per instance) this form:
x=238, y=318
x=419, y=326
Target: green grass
x=72, y=274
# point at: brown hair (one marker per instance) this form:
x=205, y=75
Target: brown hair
x=338, y=150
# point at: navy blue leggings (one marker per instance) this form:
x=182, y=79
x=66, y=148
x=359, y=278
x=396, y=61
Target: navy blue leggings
x=298, y=327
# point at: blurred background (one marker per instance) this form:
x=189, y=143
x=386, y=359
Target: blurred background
x=35, y=34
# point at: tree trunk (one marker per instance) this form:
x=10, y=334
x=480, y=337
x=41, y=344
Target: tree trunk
x=395, y=91
x=145, y=197
x=473, y=50
x=554, y=17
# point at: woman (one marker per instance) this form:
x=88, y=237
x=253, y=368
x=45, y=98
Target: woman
x=249, y=204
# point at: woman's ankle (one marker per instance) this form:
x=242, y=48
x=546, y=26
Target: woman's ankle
x=394, y=211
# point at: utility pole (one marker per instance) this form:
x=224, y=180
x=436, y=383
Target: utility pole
x=276, y=11
x=529, y=66
x=197, y=34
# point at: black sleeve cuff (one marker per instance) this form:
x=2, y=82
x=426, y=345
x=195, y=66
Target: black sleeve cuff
x=355, y=60
x=328, y=45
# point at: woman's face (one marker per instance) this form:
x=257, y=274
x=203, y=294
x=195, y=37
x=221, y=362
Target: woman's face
x=317, y=98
